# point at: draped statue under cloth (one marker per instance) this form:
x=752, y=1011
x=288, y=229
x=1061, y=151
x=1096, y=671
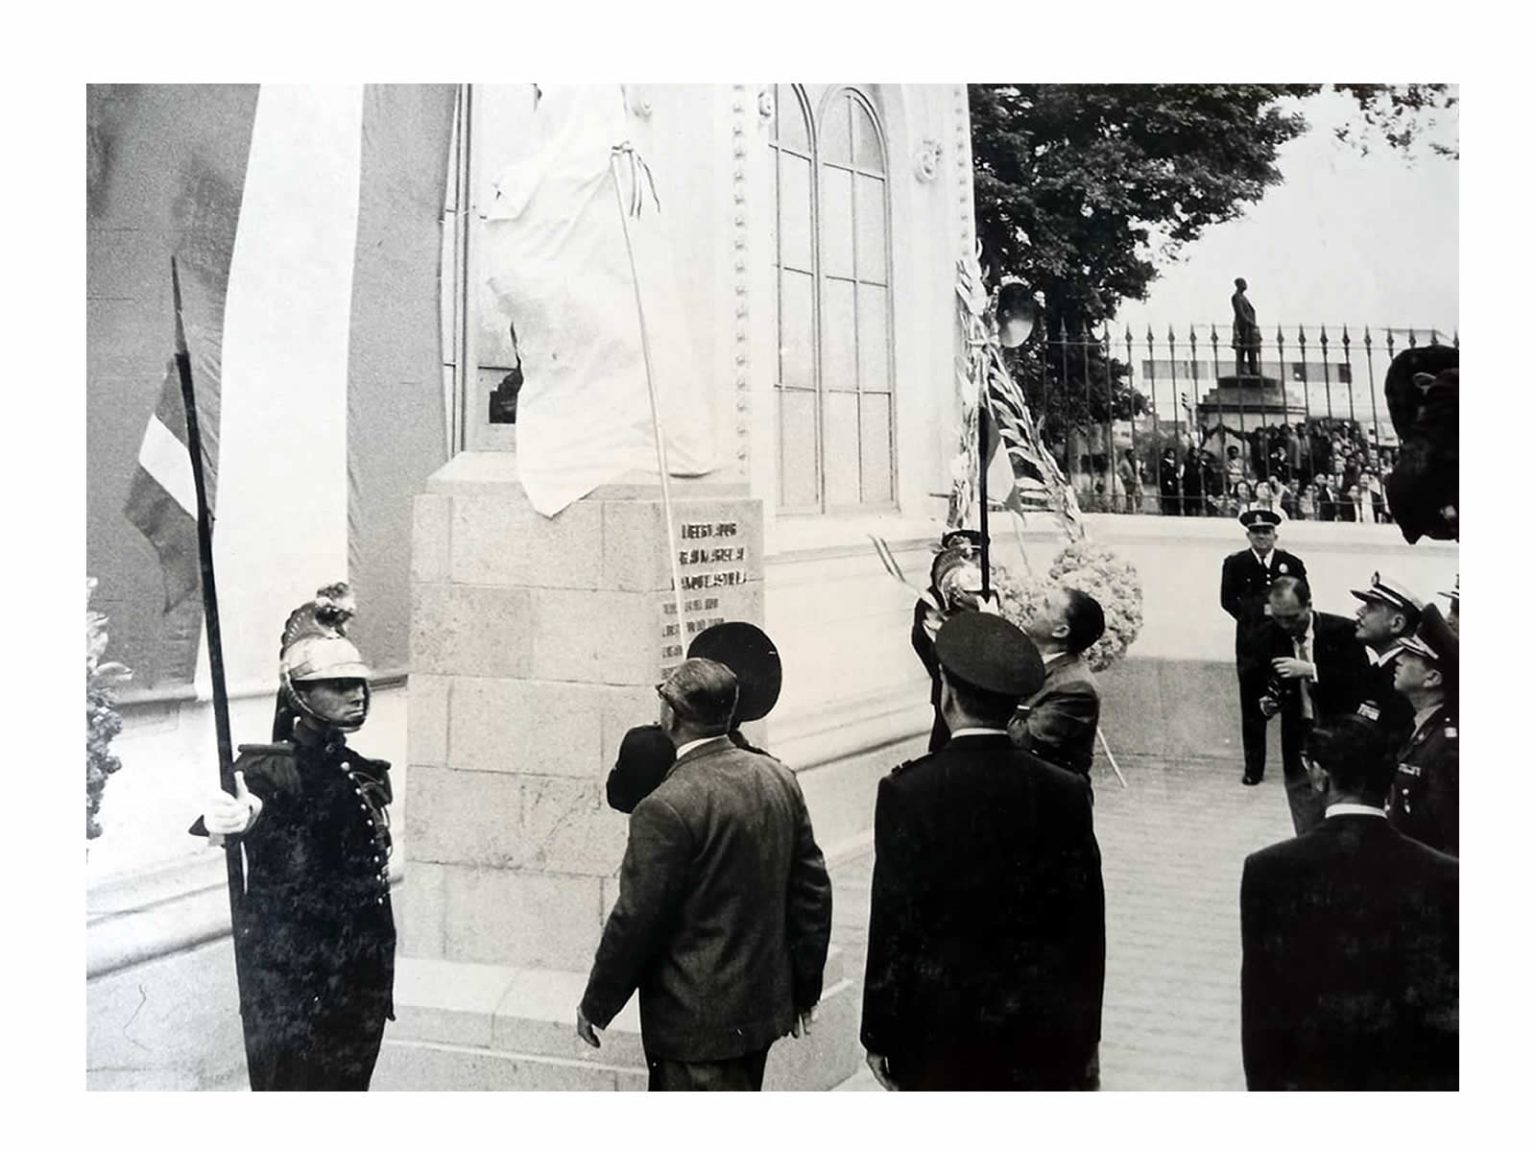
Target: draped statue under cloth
x=557, y=263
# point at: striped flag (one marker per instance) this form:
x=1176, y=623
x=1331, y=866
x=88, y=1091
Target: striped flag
x=162, y=501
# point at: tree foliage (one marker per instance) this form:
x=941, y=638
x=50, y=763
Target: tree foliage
x=1083, y=189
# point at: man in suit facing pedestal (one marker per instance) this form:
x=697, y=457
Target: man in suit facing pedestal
x=724, y=912
x=1060, y=722
x=1350, y=949
x=1245, y=580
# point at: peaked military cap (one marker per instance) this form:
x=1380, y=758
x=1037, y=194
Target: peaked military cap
x=1259, y=518
x=989, y=653
x=746, y=650
x=1435, y=641
x=1455, y=592
x=1390, y=593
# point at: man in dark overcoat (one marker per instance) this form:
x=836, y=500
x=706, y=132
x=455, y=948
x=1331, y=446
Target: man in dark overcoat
x=1245, y=580
x=724, y=912
x=1350, y=949
x=985, y=968
x=1318, y=671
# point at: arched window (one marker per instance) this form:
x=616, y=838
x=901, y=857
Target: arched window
x=832, y=256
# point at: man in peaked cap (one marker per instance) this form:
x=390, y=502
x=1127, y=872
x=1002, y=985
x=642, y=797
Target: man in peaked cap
x=1425, y=799
x=1245, y=580
x=985, y=967
x=1388, y=614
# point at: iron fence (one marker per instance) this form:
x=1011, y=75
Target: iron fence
x=1164, y=424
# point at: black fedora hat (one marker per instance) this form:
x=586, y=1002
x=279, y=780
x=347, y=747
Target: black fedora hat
x=746, y=650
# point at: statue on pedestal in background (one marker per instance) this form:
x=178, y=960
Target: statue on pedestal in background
x=1245, y=331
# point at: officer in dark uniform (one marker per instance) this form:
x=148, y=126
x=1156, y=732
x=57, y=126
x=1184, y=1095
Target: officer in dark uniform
x=985, y=967
x=1245, y=580
x=1425, y=799
x=316, y=934
x=1388, y=614
x=647, y=754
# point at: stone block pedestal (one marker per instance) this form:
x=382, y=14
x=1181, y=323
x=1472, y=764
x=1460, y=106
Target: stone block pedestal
x=536, y=643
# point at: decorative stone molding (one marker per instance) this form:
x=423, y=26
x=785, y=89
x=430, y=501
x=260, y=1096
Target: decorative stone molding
x=926, y=163
x=764, y=107
x=962, y=174
x=741, y=106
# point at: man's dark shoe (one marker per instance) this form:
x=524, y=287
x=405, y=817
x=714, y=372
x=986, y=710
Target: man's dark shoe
x=1252, y=779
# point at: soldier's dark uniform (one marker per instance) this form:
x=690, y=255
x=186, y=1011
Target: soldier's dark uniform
x=1424, y=802
x=1395, y=714
x=1245, y=582
x=315, y=936
x=1425, y=795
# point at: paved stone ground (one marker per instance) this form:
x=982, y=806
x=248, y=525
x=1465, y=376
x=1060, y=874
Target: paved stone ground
x=1173, y=845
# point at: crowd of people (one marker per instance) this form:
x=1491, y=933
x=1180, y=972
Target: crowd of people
x=1318, y=469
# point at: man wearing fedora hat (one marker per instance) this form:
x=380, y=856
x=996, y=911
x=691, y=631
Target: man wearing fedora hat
x=724, y=911
x=985, y=966
x=1245, y=580
x=1387, y=615
x=1425, y=803
x=1350, y=938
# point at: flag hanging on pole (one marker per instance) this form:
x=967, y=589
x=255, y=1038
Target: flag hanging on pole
x=162, y=501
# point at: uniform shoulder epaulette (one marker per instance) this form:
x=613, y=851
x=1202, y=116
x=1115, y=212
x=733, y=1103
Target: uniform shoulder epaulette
x=907, y=764
x=281, y=748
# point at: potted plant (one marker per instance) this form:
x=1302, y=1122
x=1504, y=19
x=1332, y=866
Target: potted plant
x=102, y=723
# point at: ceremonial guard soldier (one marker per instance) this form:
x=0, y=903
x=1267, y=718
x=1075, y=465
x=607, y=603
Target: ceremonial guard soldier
x=1425, y=799
x=985, y=967
x=315, y=936
x=1245, y=580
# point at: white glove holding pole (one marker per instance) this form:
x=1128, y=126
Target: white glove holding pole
x=231, y=815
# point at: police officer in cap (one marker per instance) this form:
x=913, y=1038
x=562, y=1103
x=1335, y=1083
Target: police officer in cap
x=1245, y=580
x=1425, y=799
x=985, y=967
x=1388, y=615
x=646, y=753
x=316, y=938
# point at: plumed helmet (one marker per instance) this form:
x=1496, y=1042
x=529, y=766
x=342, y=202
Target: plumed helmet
x=315, y=647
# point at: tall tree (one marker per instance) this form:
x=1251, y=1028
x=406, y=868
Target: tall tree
x=1082, y=189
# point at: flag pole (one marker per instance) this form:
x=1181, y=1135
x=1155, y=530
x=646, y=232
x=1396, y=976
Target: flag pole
x=650, y=382
x=234, y=869
x=981, y=487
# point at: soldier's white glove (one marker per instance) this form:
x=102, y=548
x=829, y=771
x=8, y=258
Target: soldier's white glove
x=228, y=815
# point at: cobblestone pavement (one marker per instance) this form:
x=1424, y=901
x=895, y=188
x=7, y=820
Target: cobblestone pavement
x=1173, y=845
